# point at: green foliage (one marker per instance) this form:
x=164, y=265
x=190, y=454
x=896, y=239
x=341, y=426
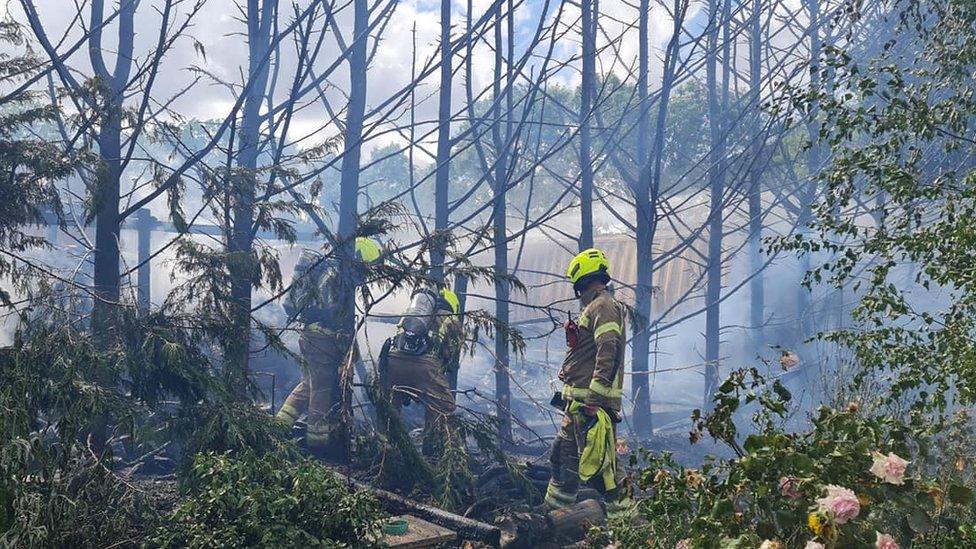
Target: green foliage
x=685, y=133
x=273, y=500
x=770, y=491
x=54, y=489
x=215, y=426
x=53, y=497
x=449, y=479
x=897, y=217
x=453, y=475
x=484, y=431
x=163, y=387
x=410, y=470
x=31, y=165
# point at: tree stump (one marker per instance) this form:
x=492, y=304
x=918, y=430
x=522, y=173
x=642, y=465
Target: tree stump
x=573, y=522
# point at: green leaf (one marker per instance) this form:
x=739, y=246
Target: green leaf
x=754, y=443
x=727, y=386
x=960, y=495
x=919, y=520
x=722, y=508
x=801, y=463
x=787, y=518
x=742, y=542
x=782, y=392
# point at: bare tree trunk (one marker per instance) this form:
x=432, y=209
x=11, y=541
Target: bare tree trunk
x=349, y=202
x=804, y=314
x=461, y=283
x=757, y=301
x=107, y=278
x=646, y=212
x=586, y=106
x=503, y=395
x=645, y=258
x=716, y=180
x=107, y=223
x=461, y=289
x=442, y=177
x=243, y=192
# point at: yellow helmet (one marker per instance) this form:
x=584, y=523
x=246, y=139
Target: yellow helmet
x=367, y=249
x=588, y=262
x=452, y=299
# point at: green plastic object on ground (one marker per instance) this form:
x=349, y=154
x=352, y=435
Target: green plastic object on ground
x=395, y=527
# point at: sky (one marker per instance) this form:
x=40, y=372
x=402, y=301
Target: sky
x=217, y=28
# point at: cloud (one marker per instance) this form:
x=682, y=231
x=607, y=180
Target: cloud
x=222, y=54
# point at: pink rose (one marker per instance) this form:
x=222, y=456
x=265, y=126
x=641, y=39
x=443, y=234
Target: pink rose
x=813, y=545
x=683, y=544
x=884, y=541
x=840, y=502
x=789, y=487
x=622, y=447
x=789, y=360
x=890, y=468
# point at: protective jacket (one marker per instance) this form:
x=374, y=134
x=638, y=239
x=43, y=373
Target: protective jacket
x=316, y=289
x=593, y=370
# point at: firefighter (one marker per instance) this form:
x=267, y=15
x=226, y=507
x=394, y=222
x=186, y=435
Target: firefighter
x=415, y=363
x=592, y=373
x=325, y=341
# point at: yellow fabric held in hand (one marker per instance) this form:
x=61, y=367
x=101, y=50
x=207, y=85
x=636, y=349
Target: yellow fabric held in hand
x=599, y=457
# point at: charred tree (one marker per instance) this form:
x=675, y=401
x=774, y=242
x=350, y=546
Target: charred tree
x=716, y=184
x=589, y=22
x=243, y=184
x=503, y=395
x=647, y=219
x=108, y=222
x=349, y=205
x=757, y=297
x=646, y=215
x=443, y=162
x=804, y=314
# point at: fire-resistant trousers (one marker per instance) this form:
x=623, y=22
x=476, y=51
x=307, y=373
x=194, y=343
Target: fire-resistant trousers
x=421, y=379
x=324, y=352
x=564, y=481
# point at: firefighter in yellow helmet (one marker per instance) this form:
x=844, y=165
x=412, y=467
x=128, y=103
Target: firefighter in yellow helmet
x=325, y=343
x=415, y=363
x=592, y=373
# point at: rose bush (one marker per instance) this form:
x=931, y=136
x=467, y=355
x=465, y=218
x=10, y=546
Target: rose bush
x=819, y=488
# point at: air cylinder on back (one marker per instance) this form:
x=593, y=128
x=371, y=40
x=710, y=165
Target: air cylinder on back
x=419, y=316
